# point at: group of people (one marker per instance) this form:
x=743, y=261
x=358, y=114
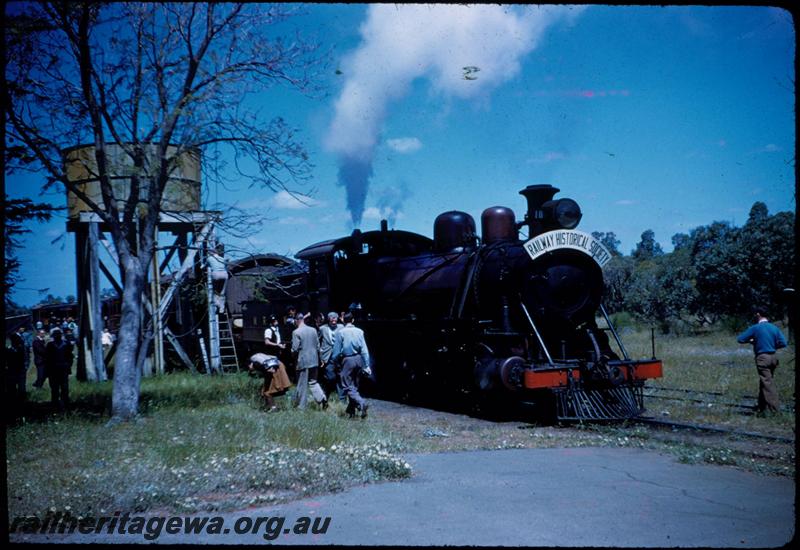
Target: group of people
x=52, y=347
x=322, y=346
x=326, y=357
x=53, y=354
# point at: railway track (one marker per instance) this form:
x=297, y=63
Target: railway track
x=705, y=397
x=649, y=421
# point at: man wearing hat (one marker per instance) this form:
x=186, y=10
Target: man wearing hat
x=305, y=344
x=58, y=366
x=272, y=337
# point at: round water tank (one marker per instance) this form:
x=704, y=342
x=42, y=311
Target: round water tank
x=182, y=193
x=498, y=223
x=453, y=231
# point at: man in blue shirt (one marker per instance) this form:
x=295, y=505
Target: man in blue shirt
x=766, y=339
x=350, y=349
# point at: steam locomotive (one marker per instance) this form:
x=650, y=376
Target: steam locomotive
x=494, y=318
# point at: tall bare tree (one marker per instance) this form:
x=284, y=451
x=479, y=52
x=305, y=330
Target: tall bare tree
x=156, y=80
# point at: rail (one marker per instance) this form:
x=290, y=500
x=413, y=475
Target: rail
x=706, y=428
x=693, y=396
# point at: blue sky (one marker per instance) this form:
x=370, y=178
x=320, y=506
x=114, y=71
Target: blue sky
x=649, y=117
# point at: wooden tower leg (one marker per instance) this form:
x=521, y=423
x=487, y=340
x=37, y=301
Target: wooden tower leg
x=95, y=305
x=83, y=290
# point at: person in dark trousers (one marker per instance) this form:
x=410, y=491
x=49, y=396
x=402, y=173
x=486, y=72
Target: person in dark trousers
x=287, y=328
x=350, y=349
x=17, y=359
x=327, y=335
x=766, y=339
x=58, y=366
x=39, y=345
x=289, y=323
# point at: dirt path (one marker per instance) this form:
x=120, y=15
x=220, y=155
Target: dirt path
x=428, y=430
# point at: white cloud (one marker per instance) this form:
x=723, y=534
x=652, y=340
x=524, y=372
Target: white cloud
x=404, y=145
x=401, y=43
x=375, y=213
x=625, y=202
x=293, y=201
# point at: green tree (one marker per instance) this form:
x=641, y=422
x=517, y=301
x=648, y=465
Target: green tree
x=720, y=271
x=609, y=240
x=617, y=276
x=52, y=300
x=648, y=248
x=661, y=289
x=766, y=245
x=681, y=241
x=16, y=213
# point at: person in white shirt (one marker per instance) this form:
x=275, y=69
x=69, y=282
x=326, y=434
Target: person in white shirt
x=107, y=340
x=219, y=274
x=272, y=338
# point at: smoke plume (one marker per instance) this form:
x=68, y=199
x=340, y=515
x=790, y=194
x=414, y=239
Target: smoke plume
x=463, y=51
x=390, y=201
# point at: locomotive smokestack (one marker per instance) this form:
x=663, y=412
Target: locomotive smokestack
x=536, y=196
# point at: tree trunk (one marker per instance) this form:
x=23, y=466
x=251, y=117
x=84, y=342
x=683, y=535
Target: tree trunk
x=127, y=376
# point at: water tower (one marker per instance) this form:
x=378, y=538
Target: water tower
x=180, y=215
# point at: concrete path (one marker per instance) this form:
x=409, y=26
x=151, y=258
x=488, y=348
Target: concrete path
x=533, y=497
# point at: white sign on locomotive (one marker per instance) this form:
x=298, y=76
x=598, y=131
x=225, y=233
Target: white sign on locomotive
x=566, y=238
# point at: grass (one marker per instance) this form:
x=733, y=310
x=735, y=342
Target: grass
x=201, y=443
x=715, y=362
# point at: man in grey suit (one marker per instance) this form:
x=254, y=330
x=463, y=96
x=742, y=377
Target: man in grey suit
x=305, y=343
x=330, y=376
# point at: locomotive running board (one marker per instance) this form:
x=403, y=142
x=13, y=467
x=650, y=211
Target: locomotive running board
x=602, y=404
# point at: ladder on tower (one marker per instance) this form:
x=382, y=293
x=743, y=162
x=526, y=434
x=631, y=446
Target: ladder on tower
x=228, y=361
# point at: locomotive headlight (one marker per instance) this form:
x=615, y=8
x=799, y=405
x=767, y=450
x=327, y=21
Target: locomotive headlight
x=567, y=213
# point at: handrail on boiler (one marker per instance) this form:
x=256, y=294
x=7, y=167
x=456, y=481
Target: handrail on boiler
x=614, y=332
x=536, y=331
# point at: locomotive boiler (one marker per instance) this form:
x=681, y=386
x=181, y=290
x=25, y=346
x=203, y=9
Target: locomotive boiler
x=491, y=318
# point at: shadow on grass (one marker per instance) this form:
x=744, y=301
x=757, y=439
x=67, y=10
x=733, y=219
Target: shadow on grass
x=493, y=408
